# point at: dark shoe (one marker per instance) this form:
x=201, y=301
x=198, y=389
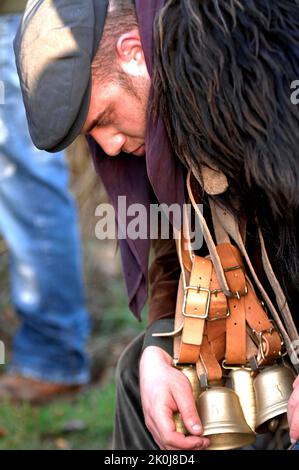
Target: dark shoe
x=18, y=388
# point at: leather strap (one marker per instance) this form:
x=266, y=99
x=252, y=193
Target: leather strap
x=287, y=329
x=268, y=338
x=198, y=338
x=236, y=322
x=218, y=306
x=246, y=309
x=194, y=310
x=279, y=294
x=220, y=234
x=187, y=347
x=208, y=356
x=209, y=241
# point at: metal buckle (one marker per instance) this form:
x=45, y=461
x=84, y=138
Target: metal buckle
x=235, y=366
x=216, y=291
x=238, y=294
x=223, y=317
x=259, y=335
x=197, y=289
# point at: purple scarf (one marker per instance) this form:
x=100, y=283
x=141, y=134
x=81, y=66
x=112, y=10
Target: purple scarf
x=141, y=180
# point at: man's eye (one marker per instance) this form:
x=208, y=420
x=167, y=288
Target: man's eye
x=103, y=123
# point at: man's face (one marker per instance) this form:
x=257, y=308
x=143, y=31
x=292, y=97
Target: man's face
x=117, y=113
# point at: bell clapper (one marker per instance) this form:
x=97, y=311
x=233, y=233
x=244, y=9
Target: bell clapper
x=273, y=424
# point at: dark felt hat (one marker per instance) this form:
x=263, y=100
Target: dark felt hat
x=54, y=47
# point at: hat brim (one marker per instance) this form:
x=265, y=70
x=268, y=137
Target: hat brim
x=78, y=124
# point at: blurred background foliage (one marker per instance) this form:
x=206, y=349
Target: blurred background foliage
x=84, y=421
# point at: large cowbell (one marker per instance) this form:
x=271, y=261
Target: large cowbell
x=223, y=419
x=273, y=387
x=220, y=413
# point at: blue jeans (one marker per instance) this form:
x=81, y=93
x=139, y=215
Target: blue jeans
x=38, y=222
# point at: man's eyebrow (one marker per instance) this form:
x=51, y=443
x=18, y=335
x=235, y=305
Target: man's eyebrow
x=98, y=119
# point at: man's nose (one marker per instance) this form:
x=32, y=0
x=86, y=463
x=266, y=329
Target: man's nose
x=112, y=144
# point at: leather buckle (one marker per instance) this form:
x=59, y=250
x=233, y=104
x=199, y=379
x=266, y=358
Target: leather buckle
x=222, y=317
x=259, y=335
x=237, y=294
x=197, y=289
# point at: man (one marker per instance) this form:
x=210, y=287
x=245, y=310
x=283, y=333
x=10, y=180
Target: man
x=39, y=224
x=117, y=121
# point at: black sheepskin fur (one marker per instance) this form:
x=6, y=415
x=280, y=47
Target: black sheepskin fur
x=222, y=83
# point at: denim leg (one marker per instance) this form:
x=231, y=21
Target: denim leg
x=39, y=223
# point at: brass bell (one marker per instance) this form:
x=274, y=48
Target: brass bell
x=273, y=387
x=191, y=374
x=179, y=423
x=241, y=381
x=223, y=419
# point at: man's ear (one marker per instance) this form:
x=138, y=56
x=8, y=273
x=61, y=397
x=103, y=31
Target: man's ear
x=130, y=53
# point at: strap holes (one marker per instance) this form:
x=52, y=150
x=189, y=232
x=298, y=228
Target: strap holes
x=235, y=323
x=195, y=309
x=235, y=306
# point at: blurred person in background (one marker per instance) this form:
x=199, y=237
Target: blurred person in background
x=38, y=221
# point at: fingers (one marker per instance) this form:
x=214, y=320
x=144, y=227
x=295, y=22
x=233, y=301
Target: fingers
x=187, y=407
x=182, y=400
x=293, y=414
x=160, y=422
x=293, y=402
x=172, y=440
x=296, y=382
x=202, y=445
x=164, y=391
x=294, y=425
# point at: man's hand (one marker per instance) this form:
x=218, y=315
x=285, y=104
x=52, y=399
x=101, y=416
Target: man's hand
x=165, y=390
x=293, y=412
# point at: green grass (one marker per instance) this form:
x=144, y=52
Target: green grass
x=43, y=427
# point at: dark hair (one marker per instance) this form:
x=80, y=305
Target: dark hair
x=222, y=77
x=121, y=17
